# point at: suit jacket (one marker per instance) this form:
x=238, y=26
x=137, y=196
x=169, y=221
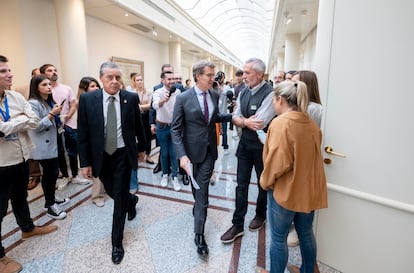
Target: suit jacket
x=91, y=129
x=191, y=135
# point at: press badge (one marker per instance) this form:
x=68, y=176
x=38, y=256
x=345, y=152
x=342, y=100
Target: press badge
x=253, y=107
x=61, y=130
x=10, y=137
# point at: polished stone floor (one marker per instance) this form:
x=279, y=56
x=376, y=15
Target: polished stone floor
x=159, y=239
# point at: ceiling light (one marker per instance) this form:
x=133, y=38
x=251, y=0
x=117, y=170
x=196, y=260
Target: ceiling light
x=126, y=14
x=155, y=33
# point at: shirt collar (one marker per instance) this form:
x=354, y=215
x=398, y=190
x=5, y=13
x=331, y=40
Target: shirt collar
x=199, y=91
x=257, y=87
x=106, y=95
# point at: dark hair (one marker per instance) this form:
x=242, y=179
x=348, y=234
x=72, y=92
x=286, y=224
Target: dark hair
x=84, y=84
x=132, y=75
x=44, y=67
x=3, y=59
x=164, y=74
x=34, y=90
x=164, y=66
x=239, y=73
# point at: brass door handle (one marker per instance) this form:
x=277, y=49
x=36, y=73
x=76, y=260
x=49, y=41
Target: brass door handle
x=329, y=150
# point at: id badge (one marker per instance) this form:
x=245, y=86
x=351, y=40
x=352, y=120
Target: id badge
x=61, y=130
x=253, y=107
x=11, y=137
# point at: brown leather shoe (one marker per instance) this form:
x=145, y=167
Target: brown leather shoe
x=38, y=231
x=7, y=265
x=33, y=182
x=230, y=235
x=257, y=223
x=295, y=269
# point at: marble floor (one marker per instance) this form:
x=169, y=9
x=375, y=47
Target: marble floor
x=159, y=239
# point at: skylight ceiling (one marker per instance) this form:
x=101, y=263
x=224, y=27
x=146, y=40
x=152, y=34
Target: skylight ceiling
x=243, y=26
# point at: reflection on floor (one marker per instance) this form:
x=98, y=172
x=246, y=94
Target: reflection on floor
x=159, y=239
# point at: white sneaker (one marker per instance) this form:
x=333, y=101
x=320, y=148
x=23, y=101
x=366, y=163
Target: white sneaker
x=79, y=179
x=176, y=184
x=62, y=183
x=164, y=180
x=56, y=212
x=292, y=239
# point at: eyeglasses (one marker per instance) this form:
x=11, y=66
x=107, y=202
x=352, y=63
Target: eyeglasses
x=209, y=75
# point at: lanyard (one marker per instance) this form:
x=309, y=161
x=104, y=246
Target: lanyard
x=6, y=116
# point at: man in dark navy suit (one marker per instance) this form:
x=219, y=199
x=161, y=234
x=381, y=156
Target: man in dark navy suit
x=109, y=124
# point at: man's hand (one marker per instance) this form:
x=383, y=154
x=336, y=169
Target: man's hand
x=141, y=156
x=87, y=172
x=153, y=129
x=184, y=160
x=253, y=123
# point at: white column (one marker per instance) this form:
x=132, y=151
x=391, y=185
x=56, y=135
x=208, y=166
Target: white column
x=175, y=56
x=280, y=62
x=292, y=45
x=70, y=19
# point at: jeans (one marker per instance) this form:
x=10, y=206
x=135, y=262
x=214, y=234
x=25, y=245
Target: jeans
x=280, y=220
x=224, y=135
x=167, y=150
x=133, y=182
x=71, y=144
x=13, y=186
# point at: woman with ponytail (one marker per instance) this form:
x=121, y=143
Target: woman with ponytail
x=294, y=176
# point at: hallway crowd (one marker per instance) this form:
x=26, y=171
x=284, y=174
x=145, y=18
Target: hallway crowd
x=104, y=131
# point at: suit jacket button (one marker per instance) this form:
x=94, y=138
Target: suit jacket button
x=47, y=140
x=47, y=130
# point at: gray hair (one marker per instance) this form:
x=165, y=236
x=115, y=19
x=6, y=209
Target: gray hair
x=110, y=65
x=258, y=64
x=198, y=68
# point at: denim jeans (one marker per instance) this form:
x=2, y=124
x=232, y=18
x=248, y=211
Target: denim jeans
x=224, y=135
x=280, y=220
x=133, y=182
x=167, y=150
x=71, y=144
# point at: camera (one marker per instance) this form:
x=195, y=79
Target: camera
x=172, y=90
x=217, y=79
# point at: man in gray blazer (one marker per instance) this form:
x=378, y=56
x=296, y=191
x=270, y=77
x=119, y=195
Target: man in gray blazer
x=193, y=132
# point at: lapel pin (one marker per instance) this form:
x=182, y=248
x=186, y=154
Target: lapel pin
x=125, y=101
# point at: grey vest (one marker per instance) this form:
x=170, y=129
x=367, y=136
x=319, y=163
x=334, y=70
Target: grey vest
x=248, y=106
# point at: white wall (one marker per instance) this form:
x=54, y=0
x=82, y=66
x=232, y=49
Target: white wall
x=106, y=40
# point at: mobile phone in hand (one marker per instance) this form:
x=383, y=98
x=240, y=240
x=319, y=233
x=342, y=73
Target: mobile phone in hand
x=63, y=101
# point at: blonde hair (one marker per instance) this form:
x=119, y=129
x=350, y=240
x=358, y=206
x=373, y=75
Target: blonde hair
x=294, y=93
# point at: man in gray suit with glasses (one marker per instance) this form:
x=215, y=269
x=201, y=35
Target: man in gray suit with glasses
x=193, y=132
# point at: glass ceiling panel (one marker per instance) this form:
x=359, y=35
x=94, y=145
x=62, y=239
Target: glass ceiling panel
x=243, y=26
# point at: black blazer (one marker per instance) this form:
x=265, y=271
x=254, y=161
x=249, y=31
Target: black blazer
x=91, y=129
x=191, y=135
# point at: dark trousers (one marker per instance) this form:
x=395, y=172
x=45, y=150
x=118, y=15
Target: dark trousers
x=147, y=130
x=116, y=175
x=13, y=186
x=50, y=175
x=202, y=173
x=248, y=155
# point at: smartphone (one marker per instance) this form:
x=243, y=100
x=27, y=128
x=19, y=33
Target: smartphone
x=63, y=101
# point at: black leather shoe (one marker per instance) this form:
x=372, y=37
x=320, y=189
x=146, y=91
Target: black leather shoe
x=201, y=244
x=132, y=210
x=117, y=254
x=157, y=168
